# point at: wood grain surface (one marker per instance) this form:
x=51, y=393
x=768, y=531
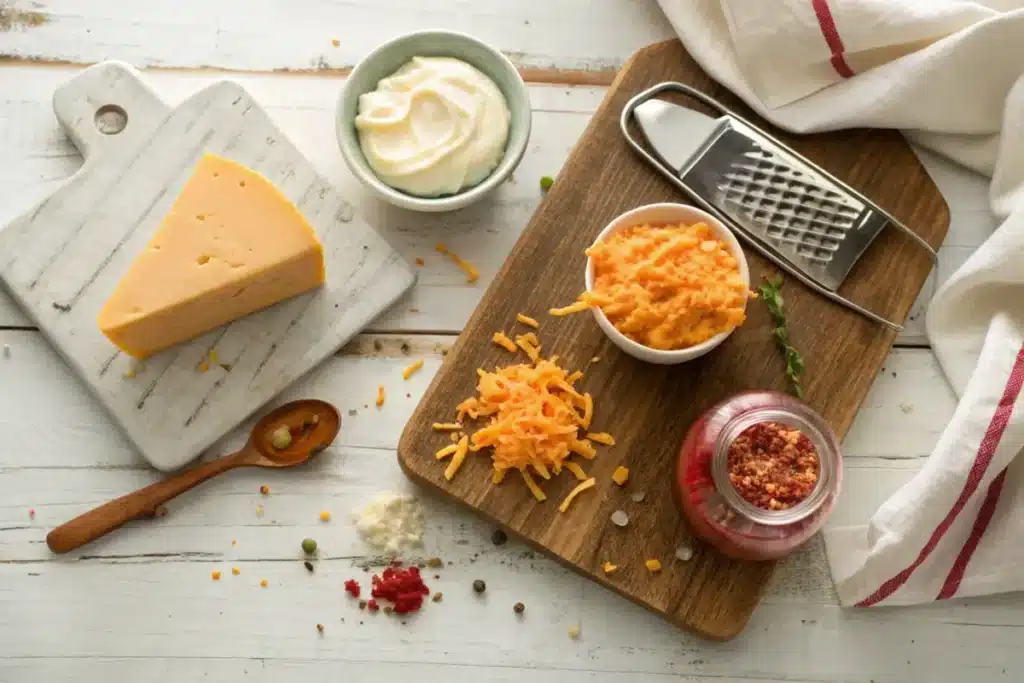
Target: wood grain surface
x=648, y=408
x=63, y=258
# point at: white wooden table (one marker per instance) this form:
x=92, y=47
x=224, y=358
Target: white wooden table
x=141, y=606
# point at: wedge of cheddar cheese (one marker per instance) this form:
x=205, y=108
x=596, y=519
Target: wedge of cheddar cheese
x=231, y=245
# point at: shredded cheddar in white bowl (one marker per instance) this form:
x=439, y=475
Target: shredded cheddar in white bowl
x=666, y=282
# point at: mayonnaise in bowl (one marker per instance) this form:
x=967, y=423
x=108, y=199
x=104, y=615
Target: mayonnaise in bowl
x=435, y=127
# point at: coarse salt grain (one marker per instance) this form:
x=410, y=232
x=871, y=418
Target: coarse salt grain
x=638, y=496
x=684, y=553
x=620, y=518
x=391, y=523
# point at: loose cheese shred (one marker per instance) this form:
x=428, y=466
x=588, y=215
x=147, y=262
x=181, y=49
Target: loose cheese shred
x=528, y=347
x=468, y=268
x=621, y=475
x=532, y=485
x=653, y=565
x=460, y=454
x=413, y=367
x=446, y=426
x=446, y=451
x=602, y=437
x=532, y=338
x=527, y=320
x=380, y=395
x=570, y=309
x=588, y=411
x=576, y=470
x=608, y=567
x=502, y=340
x=498, y=476
x=667, y=286
x=580, y=488
x=574, y=376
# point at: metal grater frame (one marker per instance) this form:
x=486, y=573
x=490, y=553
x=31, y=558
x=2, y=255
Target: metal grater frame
x=790, y=210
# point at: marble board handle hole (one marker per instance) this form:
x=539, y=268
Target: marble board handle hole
x=110, y=119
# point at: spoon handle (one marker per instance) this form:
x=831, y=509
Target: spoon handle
x=142, y=503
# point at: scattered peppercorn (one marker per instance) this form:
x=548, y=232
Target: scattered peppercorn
x=308, y=546
x=362, y=605
x=265, y=490
x=438, y=597
x=519, y=608
x=161, y=511
x=320, y=628
x=546, y=182
x=479, y=586
x=308, y=565
x=435, y=562
x=388, y=609
x=499, y=537
x=405, y=347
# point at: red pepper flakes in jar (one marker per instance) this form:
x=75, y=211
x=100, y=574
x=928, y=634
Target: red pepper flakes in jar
x=773, y=466
x=758, y=474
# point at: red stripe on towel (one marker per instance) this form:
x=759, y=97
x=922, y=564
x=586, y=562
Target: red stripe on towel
x=982, y=459
x=827, y=24
x=985, y=513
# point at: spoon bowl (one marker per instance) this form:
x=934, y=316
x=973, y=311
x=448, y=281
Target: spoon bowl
x=312, y=426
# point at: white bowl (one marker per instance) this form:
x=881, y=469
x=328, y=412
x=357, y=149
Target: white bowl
x=384, y=61
x=660, y=214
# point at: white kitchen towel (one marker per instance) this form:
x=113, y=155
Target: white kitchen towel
x=950, y=74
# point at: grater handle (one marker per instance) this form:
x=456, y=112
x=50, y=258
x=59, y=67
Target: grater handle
x=670, y=174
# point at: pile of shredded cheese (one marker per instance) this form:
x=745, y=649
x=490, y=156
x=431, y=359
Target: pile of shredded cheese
x=667, y=287
x=536, y=420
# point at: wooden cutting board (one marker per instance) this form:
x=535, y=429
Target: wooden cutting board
x=63, y=258
x=648, y=408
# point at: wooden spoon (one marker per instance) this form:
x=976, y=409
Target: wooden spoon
x=313, y=425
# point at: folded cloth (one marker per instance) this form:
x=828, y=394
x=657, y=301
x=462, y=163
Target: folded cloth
x=950, y=74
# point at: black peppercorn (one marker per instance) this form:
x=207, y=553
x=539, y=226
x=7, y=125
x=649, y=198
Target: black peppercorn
x=479, y=586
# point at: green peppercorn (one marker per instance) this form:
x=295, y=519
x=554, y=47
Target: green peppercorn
x=308, y=546
x=281, y=438
x=546, y=182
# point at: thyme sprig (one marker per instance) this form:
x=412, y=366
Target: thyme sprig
x=771, y=293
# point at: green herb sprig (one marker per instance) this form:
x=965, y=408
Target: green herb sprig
x=771, y=293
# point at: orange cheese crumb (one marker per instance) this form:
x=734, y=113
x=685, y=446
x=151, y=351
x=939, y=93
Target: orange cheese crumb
x=602, y=438
x=420, y=262
x=502, y=340
x=667, y=286
x=204, y=367
x=620, y=475
x=380, y=395
x=263, y=583
x=580, y=488
x=215, y=576
x=325, y=516
x=653, y=566
x=608, y=567
x=413, y=367
x=527, y=320
x=468, y=268
x=236, y=571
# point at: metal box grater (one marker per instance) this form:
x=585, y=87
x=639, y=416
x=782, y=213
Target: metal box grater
x=790, y=210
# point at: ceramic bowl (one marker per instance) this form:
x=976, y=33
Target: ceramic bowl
x=384, y=61
x=656, y=214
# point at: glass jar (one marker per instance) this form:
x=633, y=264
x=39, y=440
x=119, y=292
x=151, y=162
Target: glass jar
x=714, y=508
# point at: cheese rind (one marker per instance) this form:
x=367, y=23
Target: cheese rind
x=231, y=245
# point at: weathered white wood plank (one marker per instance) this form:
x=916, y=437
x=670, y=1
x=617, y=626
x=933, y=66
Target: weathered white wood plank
x=34, y=157
x=267, y=35
x=63, y=466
